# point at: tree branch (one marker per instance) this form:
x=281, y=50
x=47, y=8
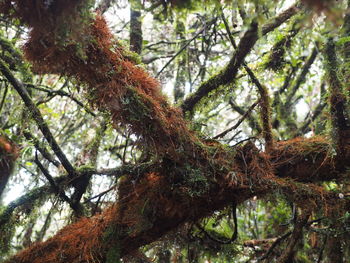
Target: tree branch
x=301, y=78
x=185, y=46
x=135, y=221
x=28, y=199
x=228, y=74
x=44, y=152
x=58, y=190
x=244, y=116
x=297, y=232
x=36, y=115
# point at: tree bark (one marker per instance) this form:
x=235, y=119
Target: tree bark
x=189, y=177
x=159, y=203
x=135, y=27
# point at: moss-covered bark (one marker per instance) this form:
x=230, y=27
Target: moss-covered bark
x=159, y=202
x=189, y=178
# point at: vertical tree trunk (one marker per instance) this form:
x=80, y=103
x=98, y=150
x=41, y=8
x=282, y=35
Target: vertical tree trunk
x=334, y=251
x=345, y=50
x=180, y=79
x=135, y=27
x=288, y=254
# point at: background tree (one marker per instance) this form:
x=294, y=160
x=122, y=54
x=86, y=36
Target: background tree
x=246, y=160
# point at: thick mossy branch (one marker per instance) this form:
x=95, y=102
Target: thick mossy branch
x=339, y=118
x=294, y=157
x=91, y=55
x=85, y=236
x=265, y=118
x=265, y=111
x=138, y=220
x=344, y=43
x=190, y=179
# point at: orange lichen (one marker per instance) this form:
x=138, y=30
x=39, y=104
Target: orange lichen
x=114, y=83
x=153, y=204
x=8, y=148
x=9, y=152
x=294, y=157
x=78, y=242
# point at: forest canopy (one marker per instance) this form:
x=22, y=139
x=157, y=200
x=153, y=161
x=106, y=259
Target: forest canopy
x=174, y=131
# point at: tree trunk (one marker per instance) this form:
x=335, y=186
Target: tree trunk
x=135, y=27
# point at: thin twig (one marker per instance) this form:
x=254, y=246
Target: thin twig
x=186, y=45
x=63, y=94
x=36, y=115
x=101, y=194
x=245, y=45
x=238, y=122
x=274, y=245
x=52, y=182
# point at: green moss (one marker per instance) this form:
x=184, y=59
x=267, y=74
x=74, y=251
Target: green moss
x=343, y=40
x=113, y=255
x=132, y=56
x=86, y=169
x=110, y=238
x=7, y=231
x=135, y=106
x=16, y=56
x=193, y=183
x=197, y=183
x=275, y=60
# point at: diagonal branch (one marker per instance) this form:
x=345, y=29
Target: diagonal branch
x=44, y=152
x=302, y=76
x=36, y=115
x=228, y=74
x=296, y=235
x=253, y=123
x=28, y=199
x=58, y=190
x=244, y=116
x=205, y=27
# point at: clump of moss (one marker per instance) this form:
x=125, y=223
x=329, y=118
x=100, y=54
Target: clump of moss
x=276, y=57
x=7, y=231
